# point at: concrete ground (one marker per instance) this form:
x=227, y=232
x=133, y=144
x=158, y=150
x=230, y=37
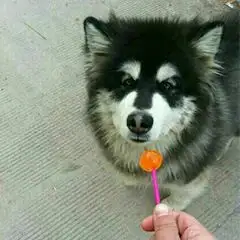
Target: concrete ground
x=53, y=183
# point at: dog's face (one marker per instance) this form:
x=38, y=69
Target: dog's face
x=149, y=78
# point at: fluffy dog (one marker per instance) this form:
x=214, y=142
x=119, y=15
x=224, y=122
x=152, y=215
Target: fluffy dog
x=168, y=85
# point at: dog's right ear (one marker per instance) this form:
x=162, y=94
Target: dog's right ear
x=208, y=38
x=97, y=36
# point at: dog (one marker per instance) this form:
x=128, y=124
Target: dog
x=169, y=85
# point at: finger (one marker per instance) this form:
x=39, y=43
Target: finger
x=153, y=237
x=147, y=224
x=190, y=228
x=165, y=225
x=184, y=221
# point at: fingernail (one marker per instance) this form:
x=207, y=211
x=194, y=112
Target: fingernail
x=161, y=210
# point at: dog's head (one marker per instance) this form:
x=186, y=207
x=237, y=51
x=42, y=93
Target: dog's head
x=148, y=78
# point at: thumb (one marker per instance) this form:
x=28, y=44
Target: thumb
x=164, y=222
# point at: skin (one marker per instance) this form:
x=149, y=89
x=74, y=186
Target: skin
x=172, y=225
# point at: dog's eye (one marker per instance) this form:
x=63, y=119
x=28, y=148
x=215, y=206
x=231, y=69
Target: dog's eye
x=128, y=81
x=167, y=85
x=170, y=83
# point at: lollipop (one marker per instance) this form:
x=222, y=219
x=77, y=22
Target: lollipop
x=150, y=161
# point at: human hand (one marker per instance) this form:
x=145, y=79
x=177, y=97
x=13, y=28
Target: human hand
x=170, y=225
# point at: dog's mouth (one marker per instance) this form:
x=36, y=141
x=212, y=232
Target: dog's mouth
x=139, y=138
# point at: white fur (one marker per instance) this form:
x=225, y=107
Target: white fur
x=167, y=124
x=165, y=118
x=166, y=71
x=98, y=47
x=163, y=115
x=123, y=109
x=132, y=68
x=209, y=43
x=96, y=41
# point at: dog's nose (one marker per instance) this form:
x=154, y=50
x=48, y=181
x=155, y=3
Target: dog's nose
x=139, y=123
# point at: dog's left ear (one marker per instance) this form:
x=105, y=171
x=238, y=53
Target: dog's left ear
x=97, y=36
x=208, y=38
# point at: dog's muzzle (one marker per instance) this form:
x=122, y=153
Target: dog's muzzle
x=139, y=124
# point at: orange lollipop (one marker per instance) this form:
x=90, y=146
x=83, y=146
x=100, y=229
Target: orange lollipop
x=150, y=160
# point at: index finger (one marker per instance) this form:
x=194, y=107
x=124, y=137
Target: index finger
x=147, y=224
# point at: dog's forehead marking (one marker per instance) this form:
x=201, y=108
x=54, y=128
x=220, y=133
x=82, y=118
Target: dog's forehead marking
x=165, y=71
x=133, y=68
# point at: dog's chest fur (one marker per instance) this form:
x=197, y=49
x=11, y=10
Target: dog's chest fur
x=125, y=157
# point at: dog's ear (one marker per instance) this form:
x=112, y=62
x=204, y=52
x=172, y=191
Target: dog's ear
x=207, y=39
x=97, y=36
